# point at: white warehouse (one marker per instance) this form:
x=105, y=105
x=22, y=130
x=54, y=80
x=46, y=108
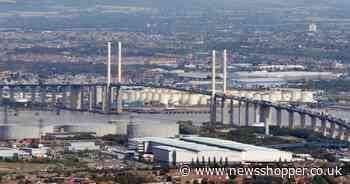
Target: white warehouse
x=203, y=149
x=249, y=153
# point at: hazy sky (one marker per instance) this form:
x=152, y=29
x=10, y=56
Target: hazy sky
x=136, y=12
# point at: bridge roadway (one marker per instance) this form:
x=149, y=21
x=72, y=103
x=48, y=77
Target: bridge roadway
x=264, y=115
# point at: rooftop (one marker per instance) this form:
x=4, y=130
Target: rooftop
x=180, y=144
x=232, y=145
x=169, y=148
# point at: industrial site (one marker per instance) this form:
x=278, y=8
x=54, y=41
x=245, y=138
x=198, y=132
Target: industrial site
x=175, y=92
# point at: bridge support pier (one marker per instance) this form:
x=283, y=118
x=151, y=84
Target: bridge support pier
x=119, y=100
x=313, y=123
x=255, y=108
x=53, y=101
x=223, y=110
x=279, y=117
x=256, y=113
x=291, y=119
x=92, y=98
x=106, y=104
x=231, y=113
x=324, y=127
x=42, y=95
x=23, y=91
x=213, y=111
x=64, y=96
x=12, y=94
x=81, y=98
x=333, y=130
x=302, y=120
x=1, y=94
x=74, y=93
x=247, y=114
x=239, y=123
x=266, y=117
x=32, y=94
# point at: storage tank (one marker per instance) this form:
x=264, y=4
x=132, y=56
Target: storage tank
x=18, y=131
x=203, y=100
x=185, y=97
x=308, y=96
x=100, y=129
x=193, y=100
x=148, y=97
x=156, y=97
x=143, y=95
x=138, y=96
x=165, y=98
x=139, y=130
x=175, y=98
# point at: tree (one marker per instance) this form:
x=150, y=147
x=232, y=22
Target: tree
x=319, y=180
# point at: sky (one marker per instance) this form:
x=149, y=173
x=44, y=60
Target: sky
x=62, y=13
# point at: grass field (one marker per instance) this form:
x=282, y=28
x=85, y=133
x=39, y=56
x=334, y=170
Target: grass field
x=8, y=167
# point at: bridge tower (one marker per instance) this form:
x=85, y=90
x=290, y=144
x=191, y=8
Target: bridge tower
x=119, y=80
x=224, y=119
x=119, y=63
x=109, y=64
x=213, y=91
x=107, y=92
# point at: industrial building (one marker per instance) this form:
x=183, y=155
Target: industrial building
x=11, y=153
x=40, y=152
x=81, y=146
x=290, y=75
x=249, y=153
x=258, y=83
x=203, y=149
x=280, y=67
x=29, y=131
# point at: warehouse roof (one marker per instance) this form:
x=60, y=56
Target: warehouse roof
x=232, y=145
x=180, y=144
x=170, y=148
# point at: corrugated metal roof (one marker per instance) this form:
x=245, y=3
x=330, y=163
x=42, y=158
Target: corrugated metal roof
x=180, y=144
x=170, y=148
x=225, y=144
